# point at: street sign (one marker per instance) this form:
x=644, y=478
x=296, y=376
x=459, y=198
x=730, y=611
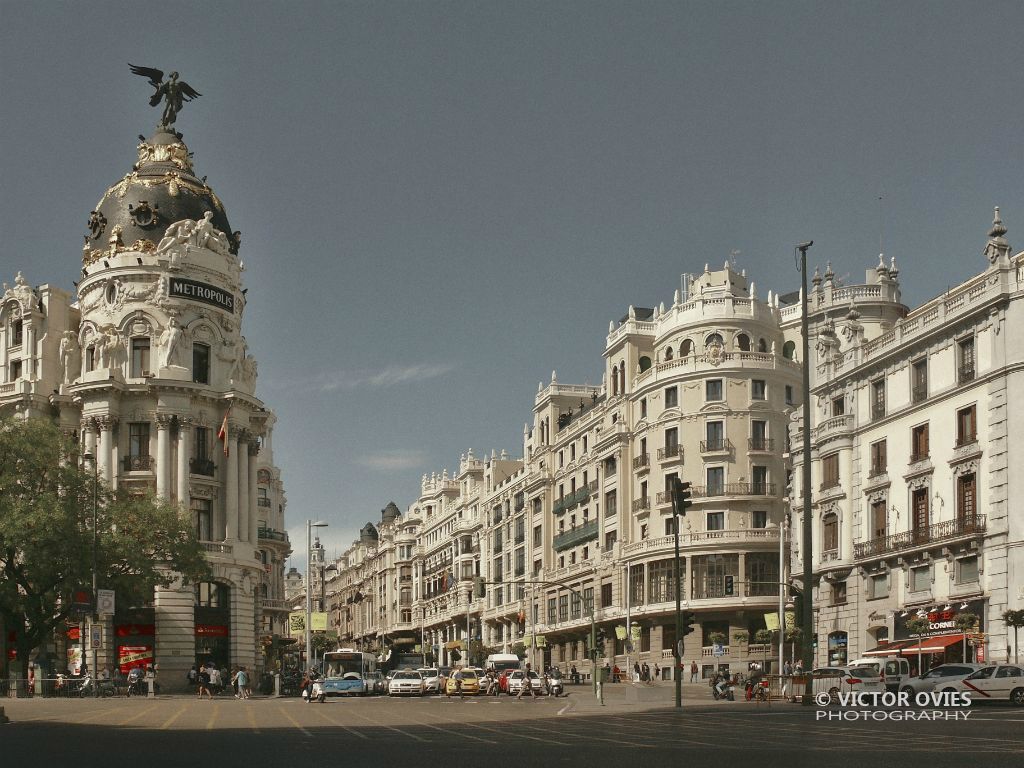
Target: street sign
x=95, y=638
x=105, y=602
x=719, y=650
x=679, y=650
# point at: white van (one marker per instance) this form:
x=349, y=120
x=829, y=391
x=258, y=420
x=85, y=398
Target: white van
x=499, y=662
x=894, y=670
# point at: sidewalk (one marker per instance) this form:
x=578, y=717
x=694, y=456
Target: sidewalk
x=637, y=697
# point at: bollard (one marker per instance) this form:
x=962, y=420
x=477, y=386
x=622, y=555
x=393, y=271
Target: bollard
x=152, y=691
x=277, y=685
x=600, y=692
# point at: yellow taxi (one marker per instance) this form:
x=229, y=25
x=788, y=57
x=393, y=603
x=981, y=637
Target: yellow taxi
x=470, y=683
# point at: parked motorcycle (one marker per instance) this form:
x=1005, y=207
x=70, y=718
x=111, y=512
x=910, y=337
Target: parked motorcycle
x=105, y=688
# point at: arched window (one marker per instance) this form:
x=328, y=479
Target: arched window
x=622, y=378
x=645, y=363
x=743, y=342
x=686, y=348
x=762, y=345
x=789, y=350
x=668, y=353
x=714, y=338
x=615, y=379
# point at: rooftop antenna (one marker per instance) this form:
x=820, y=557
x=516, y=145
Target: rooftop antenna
x=881, y=223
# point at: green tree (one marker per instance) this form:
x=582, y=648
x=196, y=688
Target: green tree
x=48, y=504
x=1014, y=619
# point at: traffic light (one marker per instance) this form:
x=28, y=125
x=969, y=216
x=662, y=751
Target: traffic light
x=680, y=497
x=729, y=586
x=479, y=587
x=688, y=618
x=602, y=637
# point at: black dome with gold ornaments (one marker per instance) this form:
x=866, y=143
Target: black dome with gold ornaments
x=160, y=190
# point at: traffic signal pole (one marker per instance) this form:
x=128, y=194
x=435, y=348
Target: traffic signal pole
x=680, y=500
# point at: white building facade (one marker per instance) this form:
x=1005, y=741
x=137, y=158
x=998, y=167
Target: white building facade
x=147, y=367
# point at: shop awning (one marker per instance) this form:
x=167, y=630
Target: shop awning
x=932, y=644
x=889, y=648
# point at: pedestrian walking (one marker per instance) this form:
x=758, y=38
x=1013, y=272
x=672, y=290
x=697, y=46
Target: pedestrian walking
x=575, y=675
x=657, y=673
x=637, y=672
x=203, y=683
x=457, y=677
x=241, y=682
x=527, y=686
x=693, y=671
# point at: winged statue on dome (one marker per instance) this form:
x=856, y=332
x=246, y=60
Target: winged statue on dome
x=172, y=91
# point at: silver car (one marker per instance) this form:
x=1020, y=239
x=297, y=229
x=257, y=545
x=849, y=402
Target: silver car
x=406, y=683
x=431, y=679
x=937, y=678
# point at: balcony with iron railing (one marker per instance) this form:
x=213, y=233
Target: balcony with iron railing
x=921, y=537
x=916, y=457
x=643, y=461
x=644, y=502
x=576, y=536
x=760, y=444
x=269, y=534
x=919, y=393
x=138, y=463
x=717, y=445
x=203, y=467
x=877, y=411
x=732, y=489
x=262, y=501
x=965, y=372
x=670, y=452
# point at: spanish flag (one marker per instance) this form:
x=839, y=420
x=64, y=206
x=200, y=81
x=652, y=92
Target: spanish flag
x=222, y=434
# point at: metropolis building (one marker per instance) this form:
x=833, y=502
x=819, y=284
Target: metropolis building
x=144, y=364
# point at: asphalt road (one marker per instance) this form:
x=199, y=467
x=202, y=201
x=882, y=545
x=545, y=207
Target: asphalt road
x=634, y=726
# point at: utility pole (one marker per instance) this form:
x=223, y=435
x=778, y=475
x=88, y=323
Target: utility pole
x=806, y=549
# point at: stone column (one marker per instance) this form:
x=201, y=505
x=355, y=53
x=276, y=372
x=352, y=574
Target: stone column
x=184, y=454
x=105, y=423
x=89, y=429
x=163, y=456
x=244, y=513
x=231, y=492
x=254, y=512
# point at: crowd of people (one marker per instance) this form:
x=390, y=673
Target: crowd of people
x=209, y=680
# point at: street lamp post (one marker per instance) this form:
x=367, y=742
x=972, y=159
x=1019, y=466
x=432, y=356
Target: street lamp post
x=806, y=551
x=310, y=525
x=89, y=457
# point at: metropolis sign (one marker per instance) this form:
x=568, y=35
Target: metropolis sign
x=196, y=291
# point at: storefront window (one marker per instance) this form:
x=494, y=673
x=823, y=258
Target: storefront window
x=837, y=644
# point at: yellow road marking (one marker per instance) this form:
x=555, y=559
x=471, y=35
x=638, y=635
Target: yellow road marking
x=140, y=713
x=170, y=721
x=213, y=715
x=252, y=721
x=294, y=722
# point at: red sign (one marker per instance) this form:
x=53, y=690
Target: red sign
x=129, y=656
x=981, y=654
x=131, y=630
x=73, y=633
x=211, y=630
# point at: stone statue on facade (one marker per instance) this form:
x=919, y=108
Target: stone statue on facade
x=68, y=353
x=170, y=341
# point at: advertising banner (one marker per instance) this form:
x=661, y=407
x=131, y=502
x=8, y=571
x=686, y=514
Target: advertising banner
x=297, y=621
x=318, y=621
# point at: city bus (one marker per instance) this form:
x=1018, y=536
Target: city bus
x=346, y=671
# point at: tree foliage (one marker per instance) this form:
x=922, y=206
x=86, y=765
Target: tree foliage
x=48, y=506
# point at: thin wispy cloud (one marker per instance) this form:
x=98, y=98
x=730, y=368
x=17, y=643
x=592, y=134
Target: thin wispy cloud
x=326, y=382
x=388, y=461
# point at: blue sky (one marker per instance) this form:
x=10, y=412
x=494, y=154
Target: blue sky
x=442, y=202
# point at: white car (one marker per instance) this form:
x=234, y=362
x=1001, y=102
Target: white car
x=941, y=678
x=431, y=679
x=997, y=682
x=854, y=679
x=406, y=683
x=515, y=682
